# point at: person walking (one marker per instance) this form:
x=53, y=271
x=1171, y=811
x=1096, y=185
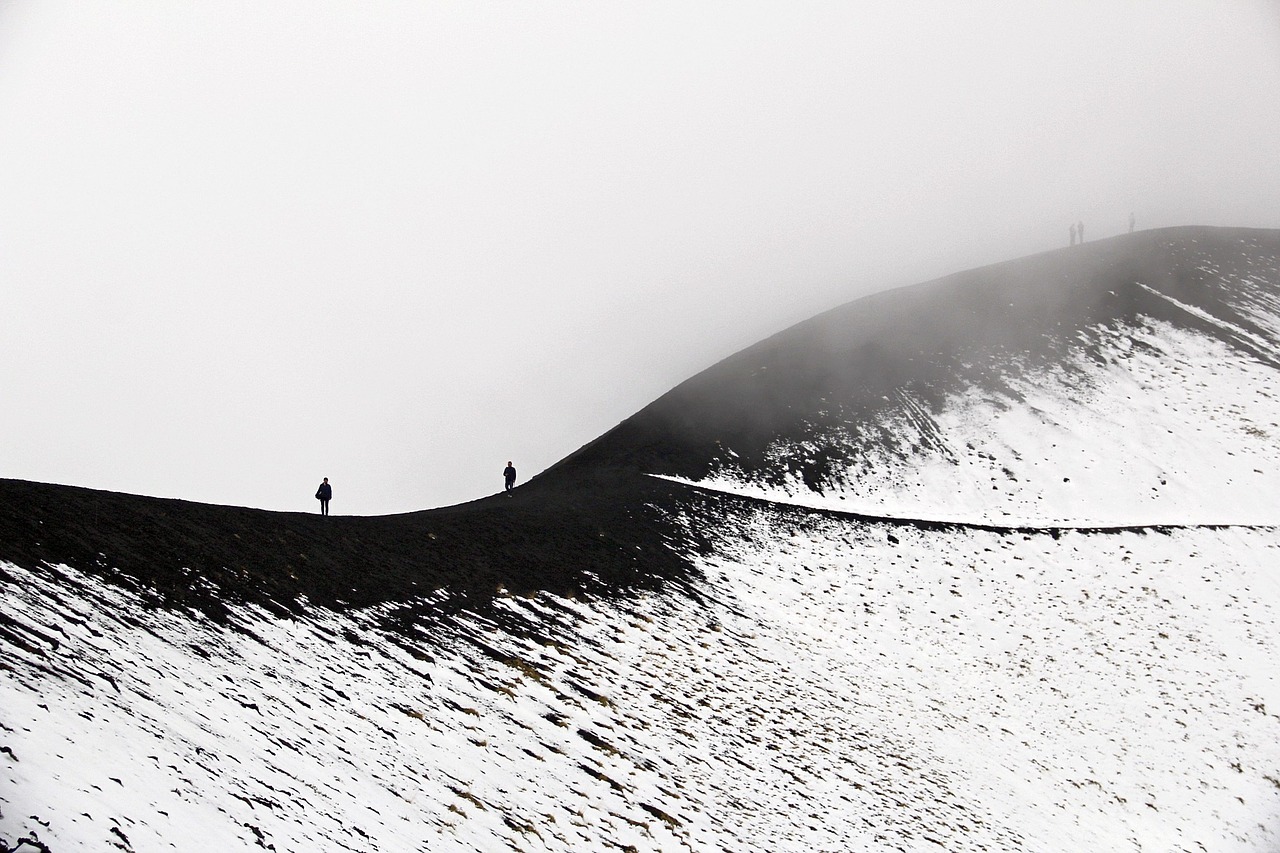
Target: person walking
x=323, y=494
x=1073, y=233
x=509, y=475
x=1080, y=231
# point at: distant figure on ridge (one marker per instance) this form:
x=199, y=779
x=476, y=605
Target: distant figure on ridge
x=1080, y=230
x=509, y=475
x=323, y=494
x=1073, y=233
x=1132, y=222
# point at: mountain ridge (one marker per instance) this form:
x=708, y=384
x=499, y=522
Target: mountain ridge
x=886, y=329
x=593, y=511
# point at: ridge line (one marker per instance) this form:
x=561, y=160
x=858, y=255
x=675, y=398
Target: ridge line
x=938, y=524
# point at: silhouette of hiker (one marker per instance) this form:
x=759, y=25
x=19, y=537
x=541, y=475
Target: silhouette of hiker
x=1073, y=233
x=1132, y=222
x=323, y=494
x=509, y=474
x=1080, y=230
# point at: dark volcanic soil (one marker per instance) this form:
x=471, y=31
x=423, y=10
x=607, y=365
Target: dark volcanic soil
x=567, y=536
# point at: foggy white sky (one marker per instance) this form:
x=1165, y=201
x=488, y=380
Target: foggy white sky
x=246, y=245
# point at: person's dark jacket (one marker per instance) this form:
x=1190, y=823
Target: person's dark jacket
x=509, y=473
x=325, y=492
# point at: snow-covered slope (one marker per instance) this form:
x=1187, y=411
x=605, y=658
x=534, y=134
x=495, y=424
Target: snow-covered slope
x=1170, y=427
x=1129, y=382
x=838, y=665
x=827, y=689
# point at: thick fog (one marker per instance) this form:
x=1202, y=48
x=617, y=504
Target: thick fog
x=244, y=246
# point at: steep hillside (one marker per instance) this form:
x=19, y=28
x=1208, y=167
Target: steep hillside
x=1129, y=380
x=990, y=563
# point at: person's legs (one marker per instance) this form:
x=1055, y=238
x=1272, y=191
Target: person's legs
x=324, y=507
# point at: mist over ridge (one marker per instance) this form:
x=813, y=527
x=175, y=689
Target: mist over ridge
x=423, y=240
x=844, y=381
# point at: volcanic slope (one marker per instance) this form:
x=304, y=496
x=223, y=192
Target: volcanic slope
x=1131, y=380
x=985, y=564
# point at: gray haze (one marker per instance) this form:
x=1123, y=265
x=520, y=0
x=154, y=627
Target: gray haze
x=244, y=246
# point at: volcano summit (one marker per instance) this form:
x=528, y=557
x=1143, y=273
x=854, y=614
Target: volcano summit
x=988, y=563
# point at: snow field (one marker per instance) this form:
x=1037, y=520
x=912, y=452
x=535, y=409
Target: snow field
x=823, y=688
x=1098, y=691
